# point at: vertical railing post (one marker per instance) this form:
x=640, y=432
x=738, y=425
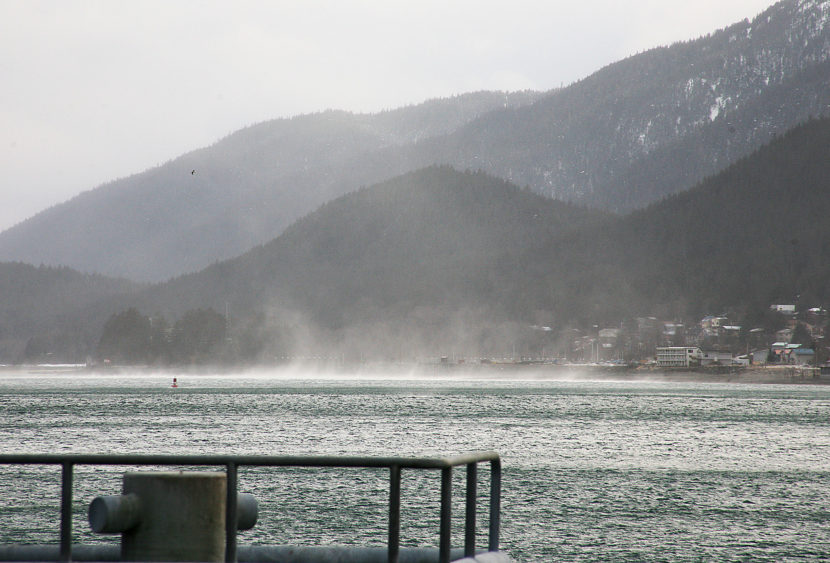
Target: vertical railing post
x=470, y=516
x=446, y=515
x=230, y=513
x=66, y=511
x=394, y=513
x=495, y=504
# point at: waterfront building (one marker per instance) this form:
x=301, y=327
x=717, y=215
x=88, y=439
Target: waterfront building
x=678, y=356
x=716, y=358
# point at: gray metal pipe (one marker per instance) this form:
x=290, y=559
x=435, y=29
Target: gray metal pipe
x=231, y=511
x=114, y=514
x=67, y=472
x=394, y=543
x=119, y=513
x=338, y=554
x=445, y=524
x=251, y=554
x=247, y=511
x=53, y=552
x=470, y=511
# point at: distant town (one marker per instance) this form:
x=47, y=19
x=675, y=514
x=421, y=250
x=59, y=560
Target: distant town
x=791, y=337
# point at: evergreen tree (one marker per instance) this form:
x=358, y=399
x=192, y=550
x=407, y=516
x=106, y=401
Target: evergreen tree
x=198, y=337
x=127, y=338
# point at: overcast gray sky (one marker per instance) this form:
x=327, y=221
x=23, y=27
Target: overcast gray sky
x=91, y=91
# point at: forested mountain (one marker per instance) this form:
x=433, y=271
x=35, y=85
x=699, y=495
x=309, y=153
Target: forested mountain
x=753, y=235
x=653, y=124
x=218, y=202
x=419, y=259
x=45, y=309
x=659, y=122
x=439, y=261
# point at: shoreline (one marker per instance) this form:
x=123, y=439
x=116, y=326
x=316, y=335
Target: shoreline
x=789, y=375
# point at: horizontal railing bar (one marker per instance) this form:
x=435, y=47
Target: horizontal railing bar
x=245, y=460
x=245, y=553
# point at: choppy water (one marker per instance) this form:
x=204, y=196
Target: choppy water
x=594, y=470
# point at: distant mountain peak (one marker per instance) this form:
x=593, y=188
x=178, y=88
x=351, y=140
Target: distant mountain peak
x=633, y=132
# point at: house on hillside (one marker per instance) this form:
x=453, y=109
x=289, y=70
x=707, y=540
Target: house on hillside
x=759, y=357
x=713, y=323
x=778, y=351
x=794, y=354
x=802, y=356
x=815, y=329
x=711, y=328
x=784, y=335
x=673, y=334
x=783, y=309
x=816, y=317
x=609, y=342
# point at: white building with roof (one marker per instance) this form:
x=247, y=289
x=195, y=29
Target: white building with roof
x=678, y=356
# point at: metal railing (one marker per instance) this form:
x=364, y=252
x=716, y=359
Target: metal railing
x=233, y=462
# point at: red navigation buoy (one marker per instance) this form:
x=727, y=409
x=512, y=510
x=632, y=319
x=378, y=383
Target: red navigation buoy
x=174, y=383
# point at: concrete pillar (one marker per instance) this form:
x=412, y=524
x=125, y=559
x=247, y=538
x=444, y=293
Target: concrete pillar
x=182, y=516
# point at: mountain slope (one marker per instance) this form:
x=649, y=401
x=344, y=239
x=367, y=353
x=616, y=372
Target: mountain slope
x=45, y=310
x=439, y=261
x=438, y=257
x=659, y=122
x=753, y=235
x=218, y=202
x=635, y=131
x=425, y=248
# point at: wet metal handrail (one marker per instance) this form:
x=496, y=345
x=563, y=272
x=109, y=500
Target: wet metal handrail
x=233, y=462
